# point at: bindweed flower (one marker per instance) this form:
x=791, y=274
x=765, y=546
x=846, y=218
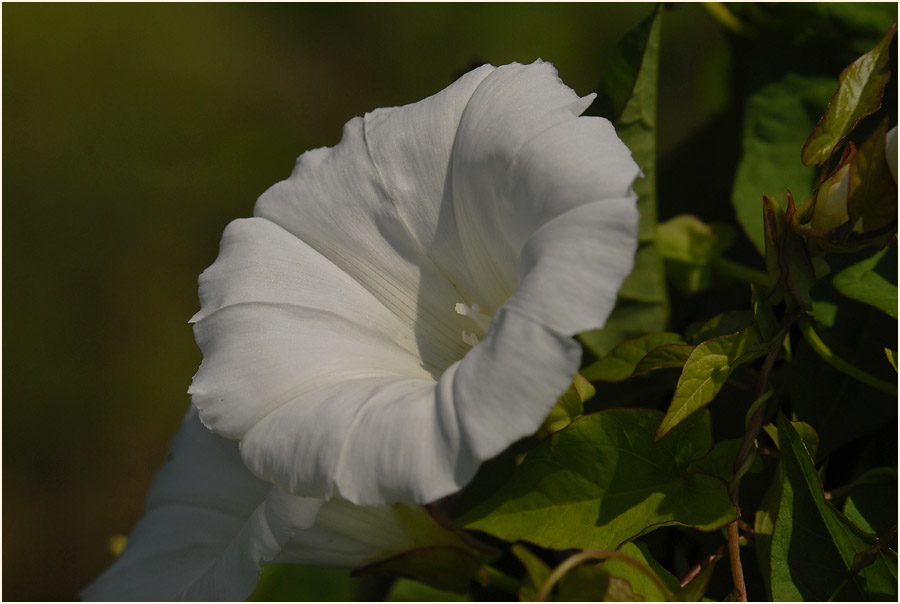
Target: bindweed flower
x=403, y=306
x=210, y=524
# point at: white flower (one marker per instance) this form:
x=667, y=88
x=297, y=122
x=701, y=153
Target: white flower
x=338, y=324
x=209, y=524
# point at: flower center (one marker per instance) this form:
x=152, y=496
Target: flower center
x=481, y=321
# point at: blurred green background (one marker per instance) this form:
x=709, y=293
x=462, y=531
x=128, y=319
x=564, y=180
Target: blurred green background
x=132, y=134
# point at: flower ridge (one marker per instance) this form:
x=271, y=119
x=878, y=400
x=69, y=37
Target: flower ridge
x=329, y=347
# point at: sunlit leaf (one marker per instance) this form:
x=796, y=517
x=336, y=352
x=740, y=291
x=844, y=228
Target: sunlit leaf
x=813, y=545
x=865, y=281
x=859, y=92
x=706, y=371
x=621, y=362
x=664, y=357
x=569, y=406
x=604, y=480
x=891, y=357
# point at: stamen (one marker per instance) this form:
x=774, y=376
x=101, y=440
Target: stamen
x=470, y=338
x=481, y=320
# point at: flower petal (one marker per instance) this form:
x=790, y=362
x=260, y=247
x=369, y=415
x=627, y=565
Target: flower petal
x=522, y=157
x=372, y=204
x=259, y=356
x=493, y=192
x=208, y=526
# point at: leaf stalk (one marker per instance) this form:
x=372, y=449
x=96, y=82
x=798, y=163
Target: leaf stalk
x=596, y=554
x=827, y=355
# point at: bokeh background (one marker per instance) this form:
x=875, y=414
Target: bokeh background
x=132, y=134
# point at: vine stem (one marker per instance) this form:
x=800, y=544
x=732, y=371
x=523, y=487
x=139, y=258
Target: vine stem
x=735, y=270
x=595, y=554
x=698, y=568
x=744, y=453
x=816, y=343
x=734, y=555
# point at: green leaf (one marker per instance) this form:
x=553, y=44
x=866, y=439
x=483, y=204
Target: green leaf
x=407, y=590
x=289, y=583
x=628, y=320
x=664, y=357
x=764, y=526
x=859, y=92
x=569, y=406
x=444, y=567
x=777, y=121
x=604, y=480
x=640, y=583
x=592, y=583
x=819, y=393
x=814, y=546
x=645, y=283
x=766, y=321
x=719, y=325
x=872, y=197
x=621, y=362
x=891, y=357
x=537, y=572
x=864, y=281
x=706, y=371
x=689, y=246
x=872, y=501
x=791, y=272
x=628, y=98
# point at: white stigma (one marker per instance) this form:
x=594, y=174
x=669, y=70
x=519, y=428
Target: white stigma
x=481, y=320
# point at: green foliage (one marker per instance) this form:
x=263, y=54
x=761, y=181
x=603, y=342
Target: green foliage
x=706, y=371
x=623, y=361
x=605, y=480
x=628, y=97
x=286, y=583
x=777, y=121
x=569, y=407
x=641, y=583
x=815, y=549
x=407, y=590
x=691, y=249
x=859, y=92
x=635, y=483
x=445, y=568
x=868, y=281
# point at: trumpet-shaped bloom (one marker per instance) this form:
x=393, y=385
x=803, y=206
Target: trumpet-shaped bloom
x=210, y=524
x=402, y=307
